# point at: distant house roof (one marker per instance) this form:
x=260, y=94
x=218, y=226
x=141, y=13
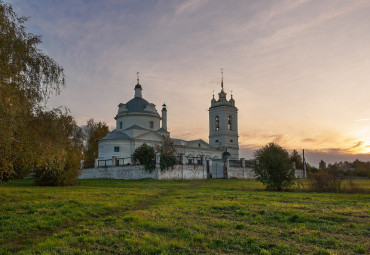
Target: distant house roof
x=115, y=134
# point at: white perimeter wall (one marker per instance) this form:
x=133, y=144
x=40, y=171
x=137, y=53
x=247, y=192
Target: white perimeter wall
x=179, y=172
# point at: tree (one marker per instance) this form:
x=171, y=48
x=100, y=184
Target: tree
x=93, y=132
x=274, y=167
x=27, y=78
x=168, y=153
x=145, y=155
x=322, y=165
x=58, y=151
x=296, y=159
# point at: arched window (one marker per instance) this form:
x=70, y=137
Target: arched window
x=217, y=123
x=229, y=123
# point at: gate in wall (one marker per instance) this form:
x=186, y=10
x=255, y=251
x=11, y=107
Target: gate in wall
x=217, y=169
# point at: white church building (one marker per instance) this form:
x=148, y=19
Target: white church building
x=138, y=122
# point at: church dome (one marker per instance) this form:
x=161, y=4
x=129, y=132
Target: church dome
x=139, y=104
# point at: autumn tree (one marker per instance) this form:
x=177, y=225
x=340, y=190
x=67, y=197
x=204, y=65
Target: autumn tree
x=59, y=148
x=167, y=153
x=94, y=131
x=274, y=167
x=27, y=78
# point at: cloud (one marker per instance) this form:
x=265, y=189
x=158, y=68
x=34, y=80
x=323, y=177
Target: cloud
x=359, y=144
x=293, y=65
x=189, y=6
x=309, y=140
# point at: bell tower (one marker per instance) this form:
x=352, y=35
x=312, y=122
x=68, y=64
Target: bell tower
x=223, y=123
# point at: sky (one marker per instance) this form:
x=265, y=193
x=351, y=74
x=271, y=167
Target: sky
x=299, y=71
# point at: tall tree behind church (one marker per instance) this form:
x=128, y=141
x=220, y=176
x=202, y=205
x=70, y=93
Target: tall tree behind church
x=93, y=132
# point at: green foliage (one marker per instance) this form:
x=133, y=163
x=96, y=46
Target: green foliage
x=27, y=78
x=94, y=131
x=167, y=153
x=145, y=155
x=59, y=148
x=167, y=161
x=179, y=217
x=274, y=167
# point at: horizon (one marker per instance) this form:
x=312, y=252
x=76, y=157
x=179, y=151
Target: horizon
x=298, y=69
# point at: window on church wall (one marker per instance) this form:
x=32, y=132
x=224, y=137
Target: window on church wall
x=116, y=148
x=229, y=120
x=120, y=125
x=151, y=124
x=217, y=123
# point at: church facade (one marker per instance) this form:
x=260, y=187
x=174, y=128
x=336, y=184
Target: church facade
x=138, y=122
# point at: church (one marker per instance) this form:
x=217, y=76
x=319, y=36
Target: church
x=138, y=122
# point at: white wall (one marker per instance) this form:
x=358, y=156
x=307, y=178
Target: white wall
x=186, y=172
x=106, y=149
x=128, y=172
x=140, y=120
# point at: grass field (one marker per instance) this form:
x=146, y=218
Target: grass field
x=180, y=217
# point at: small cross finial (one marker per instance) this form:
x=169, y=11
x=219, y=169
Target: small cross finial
x=222, y=78
x=231, y=94
x=137, y=75
x=213, y=93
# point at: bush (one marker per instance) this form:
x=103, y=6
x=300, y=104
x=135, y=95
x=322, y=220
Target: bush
x=274, y=167
x=145, y=155
x=57, y=168
x=58, y=150
x=324, y=182
x=167, y=161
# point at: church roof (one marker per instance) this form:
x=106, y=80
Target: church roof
x=115, y=134
x=136, y=127
x=191, y=143
x=138, y=104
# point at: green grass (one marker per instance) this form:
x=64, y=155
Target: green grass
x=179, y=217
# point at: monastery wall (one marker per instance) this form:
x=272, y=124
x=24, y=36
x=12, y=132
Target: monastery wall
x=179, y=172
x=127, y=172
x=186, y=172
x=240, y=173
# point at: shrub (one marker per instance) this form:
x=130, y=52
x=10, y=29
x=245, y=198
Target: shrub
x=274, y=168
x=145, y=155
x=324, y=182
x=167, y=161
x=57, y=168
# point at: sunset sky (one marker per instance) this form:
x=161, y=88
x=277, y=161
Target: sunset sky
x=299, y=70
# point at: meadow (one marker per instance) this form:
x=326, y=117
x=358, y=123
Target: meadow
x=180, y=217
